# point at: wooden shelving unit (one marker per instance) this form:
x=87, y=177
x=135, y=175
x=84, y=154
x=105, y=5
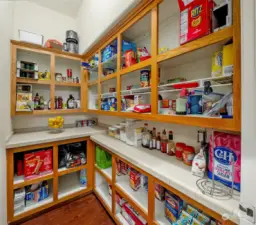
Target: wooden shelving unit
x=214, y=39
x=51, y=84
x=57, y=194
x=144, y=202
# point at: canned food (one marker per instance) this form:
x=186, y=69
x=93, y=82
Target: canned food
x=69, y=74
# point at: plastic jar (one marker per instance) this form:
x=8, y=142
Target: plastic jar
x=179, y=150
x=188, y=155
x=117, y=133
x=123, y=132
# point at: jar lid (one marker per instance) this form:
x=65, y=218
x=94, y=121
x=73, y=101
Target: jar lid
x=189, y=149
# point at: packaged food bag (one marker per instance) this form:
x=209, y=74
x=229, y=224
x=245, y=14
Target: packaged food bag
x=225, y=146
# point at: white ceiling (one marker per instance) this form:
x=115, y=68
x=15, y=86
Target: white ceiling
x=66, y=7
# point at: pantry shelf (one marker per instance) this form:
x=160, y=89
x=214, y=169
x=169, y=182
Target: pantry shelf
x=106, y=173
x=32, y=81
x=136, y=66
x=68, y=84
x=20, y=182
x=103, y=193
x=219, y=36
x=108, y=77
x=64, y=171
x=50, y=112
x=91, y=83
x=142, y=90
x=35, y=207
x=121, y=219
x=138, y=199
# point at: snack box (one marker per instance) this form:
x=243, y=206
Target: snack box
x=195, y=19
x=228, y=65
x=217, y=59
x=135, y=179
x=185, y=219
x=37, y=163
x=131, y=216
x=159, y=192
x=192, y=211
x=124, y=168
x=118, y=167
x=173, y=206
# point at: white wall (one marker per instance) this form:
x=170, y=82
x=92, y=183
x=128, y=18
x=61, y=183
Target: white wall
x=5, y=120
x=37, y=19
x=96, y=17
x=53, y=25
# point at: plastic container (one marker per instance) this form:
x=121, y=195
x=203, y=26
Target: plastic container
x=103, y=159
x=188, y=155
x=111, y=132
x=179, y=150
x=117, y=131
x=123, y=132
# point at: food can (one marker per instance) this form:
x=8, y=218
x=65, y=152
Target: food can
x=179, y=150
x=112, y=90
x=188, y=155
x=69, y=73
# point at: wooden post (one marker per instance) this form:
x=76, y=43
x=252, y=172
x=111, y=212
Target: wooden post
x=10, y=191
x=118, y=78
x=113, y=185
x=99, y=76
x=13, y=79
x=91, y=164
x=84, y=89
x=52, y=93
x=151, y=200
x=154, y=65
x=55, y=173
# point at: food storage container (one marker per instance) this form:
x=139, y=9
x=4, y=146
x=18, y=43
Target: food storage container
x=123, y=132
x=188, y=155
x=111, y=131
x=117, y=134
x=179, y=150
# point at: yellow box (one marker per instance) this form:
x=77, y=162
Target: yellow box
x=228, y=63
x=217, y=64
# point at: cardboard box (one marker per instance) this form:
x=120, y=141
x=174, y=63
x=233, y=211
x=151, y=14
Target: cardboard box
x=37, y=163
x=228, y=63
x=195, y=19
x=132, y=216
x=173, y=206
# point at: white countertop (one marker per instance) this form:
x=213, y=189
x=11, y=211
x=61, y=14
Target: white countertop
x=170, y=171
x=39, y=137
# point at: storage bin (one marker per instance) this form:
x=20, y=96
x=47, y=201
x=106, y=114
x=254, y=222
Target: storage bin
x=103, y=159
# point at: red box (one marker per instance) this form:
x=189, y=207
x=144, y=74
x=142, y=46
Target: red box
x=131, y=216
x=195, y=19
x=37, y=163
x=134, y=179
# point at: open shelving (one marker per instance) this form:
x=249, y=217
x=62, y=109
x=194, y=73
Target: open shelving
x=155, y=27
x=64, y=183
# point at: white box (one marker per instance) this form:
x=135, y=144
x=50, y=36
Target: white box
x=31, y=37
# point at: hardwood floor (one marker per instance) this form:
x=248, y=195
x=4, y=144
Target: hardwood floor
x=85, y=211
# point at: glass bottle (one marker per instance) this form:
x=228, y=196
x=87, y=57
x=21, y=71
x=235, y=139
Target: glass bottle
x=70, y=102
x=164, y=142
x=41, y=102
x=37, y=101
x=158, y=141
x=145, y=136
x=154, y=138
x=171, y=145
x=150, y=140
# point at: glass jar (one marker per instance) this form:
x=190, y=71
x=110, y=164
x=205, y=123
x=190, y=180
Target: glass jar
x=179, y=150
x=123, y=132
x=111, y=132
x=118, y=128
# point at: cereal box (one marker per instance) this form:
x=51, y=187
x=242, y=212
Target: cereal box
x=131, y=216
x=135, y=179
x=195, y=19
x=173, y=206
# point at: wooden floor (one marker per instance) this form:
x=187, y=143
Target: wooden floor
x=84, y=211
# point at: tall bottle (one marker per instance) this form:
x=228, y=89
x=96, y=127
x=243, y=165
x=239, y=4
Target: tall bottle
x=37, y=101
x=164, y=142
x=145, y=136
x=170, y=145
x=154, y=138
x=158, y=141
x=150, y=140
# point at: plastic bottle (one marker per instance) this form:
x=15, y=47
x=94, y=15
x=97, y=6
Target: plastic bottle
x=83, y=178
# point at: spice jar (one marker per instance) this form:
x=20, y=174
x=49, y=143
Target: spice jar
x=118, y=128
x=123, y=132
x=179, y=150
x=188, y=155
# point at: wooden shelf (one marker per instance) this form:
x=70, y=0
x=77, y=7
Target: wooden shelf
x=136, y=66
x=49, y=112
x=20, y=183
x=221, y=35
x=91, y=83
x=32, y=81
x=39, y=48
x=106, y=173
x=108, y=77
x=64, y=171
x=67, y=84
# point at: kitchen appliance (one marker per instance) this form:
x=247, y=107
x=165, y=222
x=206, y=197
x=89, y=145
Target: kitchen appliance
x=71, y=36
x=24, y=101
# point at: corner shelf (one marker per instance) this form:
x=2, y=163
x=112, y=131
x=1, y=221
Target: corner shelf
x=32, y=81
x=64, y=171
x=67, y=84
